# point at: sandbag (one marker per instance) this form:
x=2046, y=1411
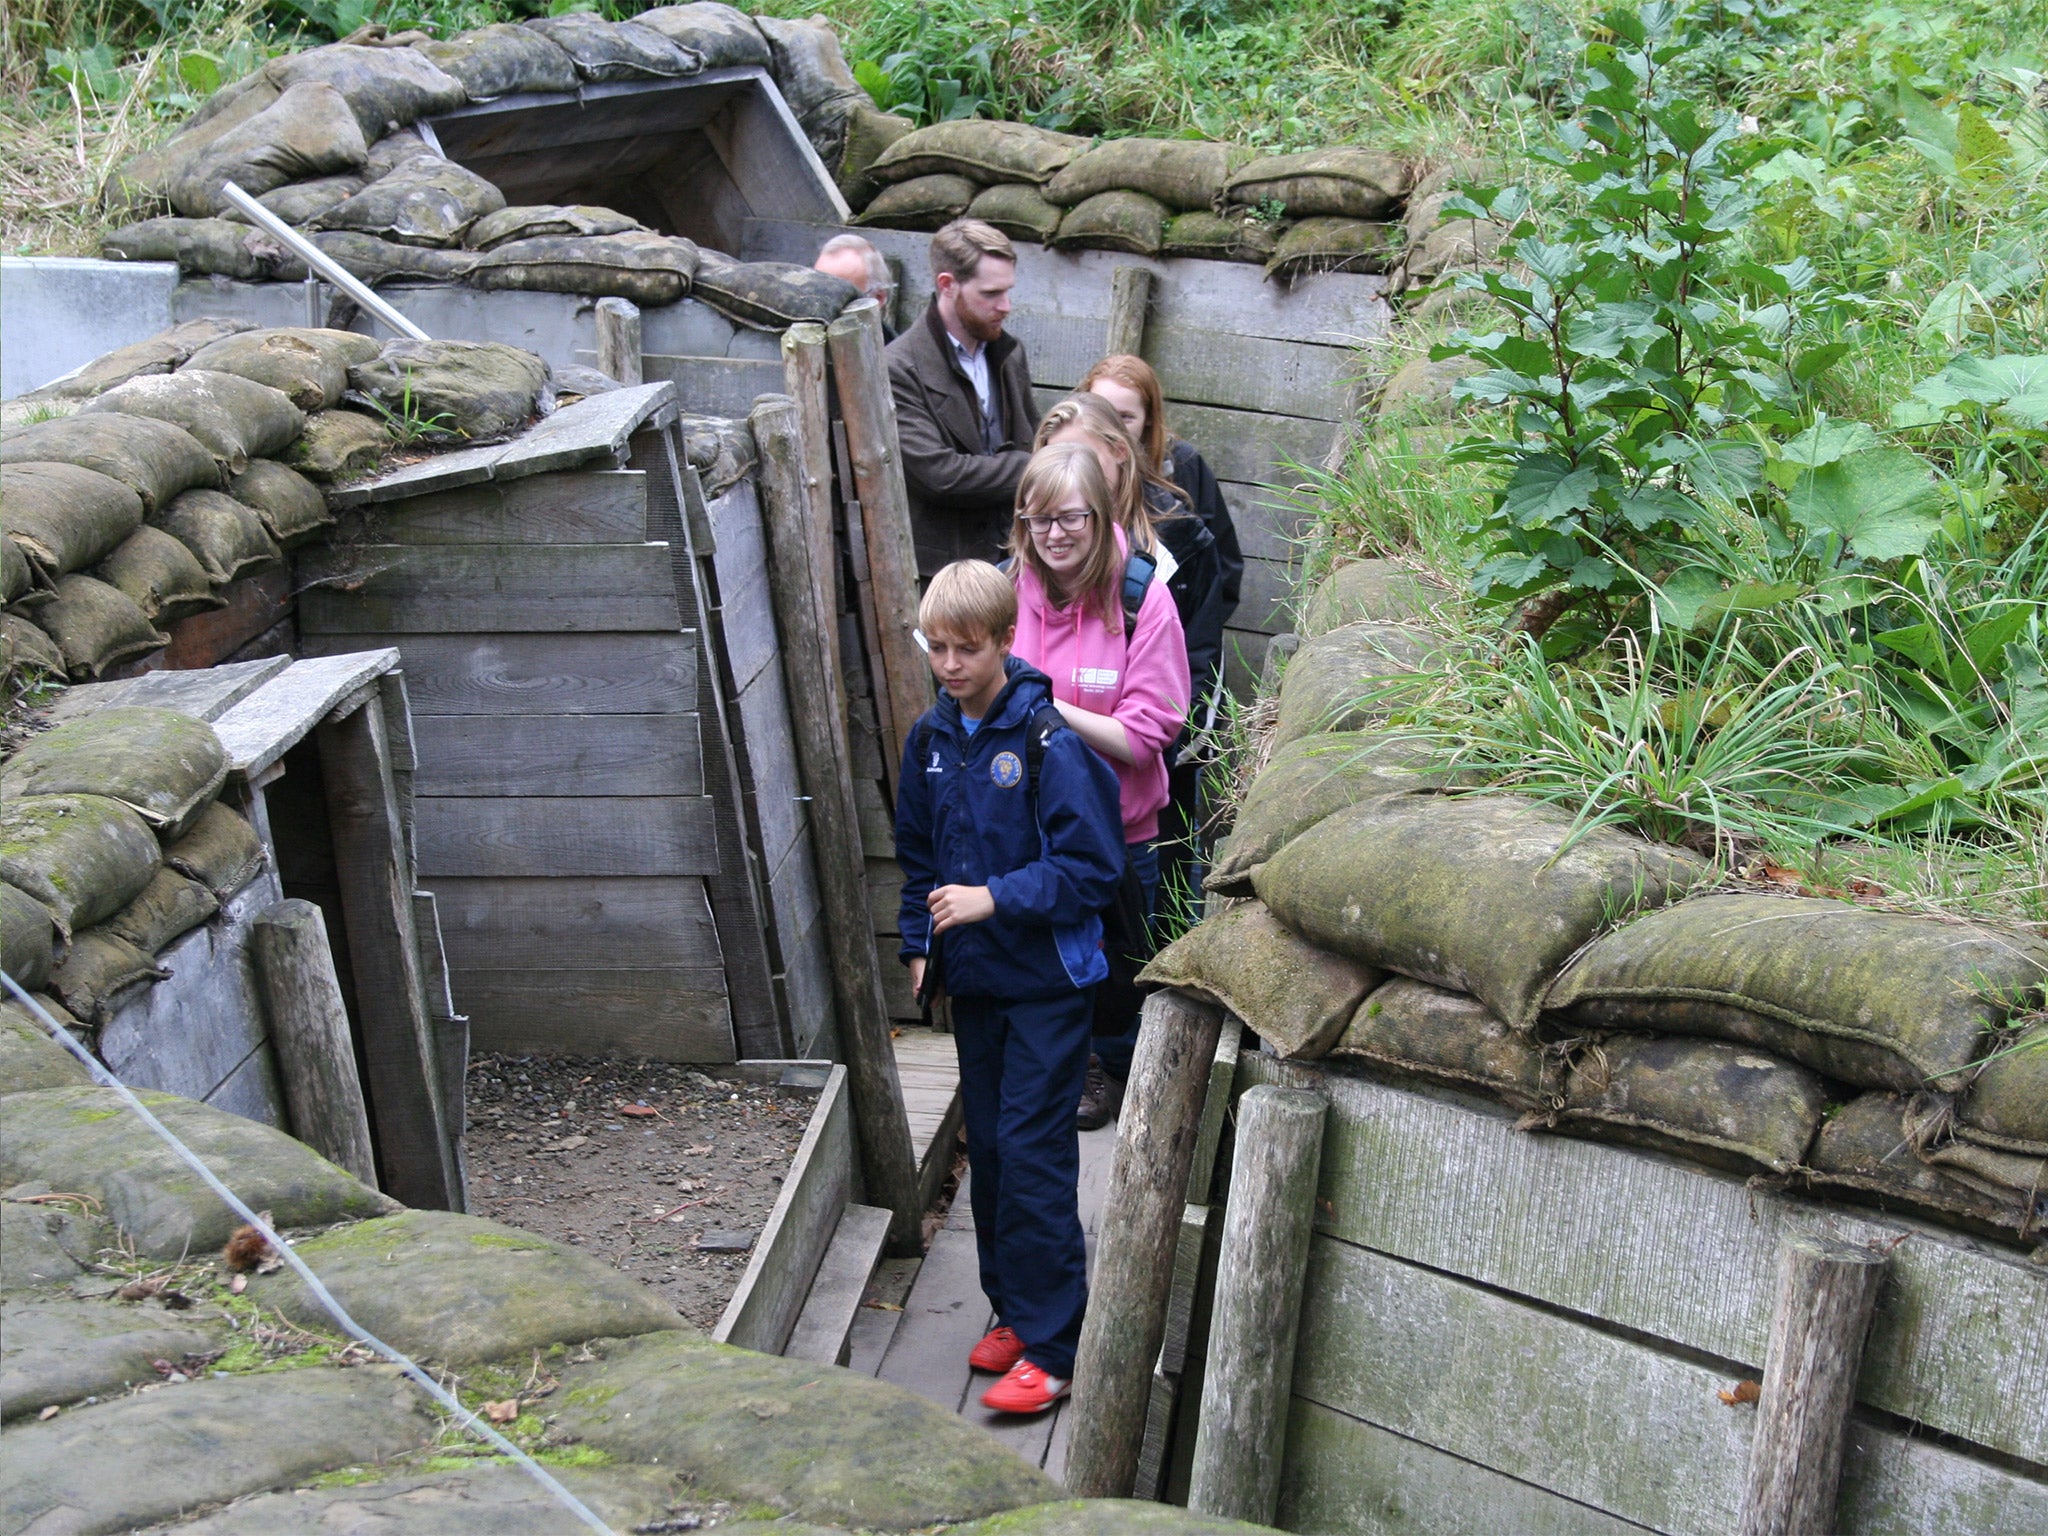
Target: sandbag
x=385, y=88
x=1334, y=245
x=170, y=906
x=374, y=260
x=221, y=851
x=228, y=538
x=532, y=222
x=810, y=71
x=308, y=131
x=1344, y=182
x=84, y=857
x=308, y=364
x=156, y=354
x=28, y=937
x=1867, y=1150
x=1114, y=221
x=339, y=445
x=1375, y=591
x=17, y=577
x=868, y=136
x=2007, y=1105
x=65, y=517
x=1719, y=1104
x=1878, y=999
x=986, y=153
x=160, y=576
x=1018, y=209
x=1184, y=174
x=770, y=295
x=290, y=505
x=617, y=50
x=925, y=202
x=155, y=459
x=160, y=763
x=462, y=391
x=647, y=268
x=217, y=246
x=1349, y=678
x=1308, y=779
x=143, y=180
x=1477, y=893
x=1297, y=997
x=1213, y=237
x=502, y=59
x=237, y=419
x=724, y=37
x=1422, y=389
x=27, y=648
x=720, y=449
x=97, y=969
x=96, y=627
x=303, y=202
x=572, y=382
x=1437, y=245
x=1414, y=1028
x=394, y=150
x=426, y=201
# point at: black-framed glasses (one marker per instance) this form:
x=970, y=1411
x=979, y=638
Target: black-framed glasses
x=1070, y=522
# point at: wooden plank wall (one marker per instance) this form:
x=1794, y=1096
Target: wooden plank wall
x=1530, y=1333
x=1256, y=376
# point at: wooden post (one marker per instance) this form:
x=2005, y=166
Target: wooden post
x=817, y=707
x=869, y=411
x=1139, y=1229
x=1826, y=1291
x=618, y=340
x=376, y=902
x=1130, y=295
x=310, y=1037
x=803, y=373
x=1250, y=1367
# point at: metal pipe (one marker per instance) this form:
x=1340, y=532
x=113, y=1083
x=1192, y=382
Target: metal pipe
x=319, y=261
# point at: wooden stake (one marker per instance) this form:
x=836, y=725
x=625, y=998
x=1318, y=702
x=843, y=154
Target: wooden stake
x=618, y=340
x=817, y=707
x=803, y=374
x=1826, y=1291
x=869, y=411
x=1130, y=295
x=1140, y=1225
x=310, y=1036
x=1250, y=1370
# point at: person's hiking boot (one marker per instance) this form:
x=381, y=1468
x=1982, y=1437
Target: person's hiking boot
x=1025, y=1389
x=1101, y=1097
x=999, y=1349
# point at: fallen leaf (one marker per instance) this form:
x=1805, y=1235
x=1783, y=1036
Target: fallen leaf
x=141, y=1290
x=1865, y=890
x=503, y=1412
x=239, y=1284
x=697, y=1151
x=50, y=1412
x=1778, y=874
x=1745, y=1392
x=162, y=1367
x=638, y=1111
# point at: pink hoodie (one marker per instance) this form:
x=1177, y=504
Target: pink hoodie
x=1140, y=680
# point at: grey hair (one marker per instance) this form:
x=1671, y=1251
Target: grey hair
x=881, y=282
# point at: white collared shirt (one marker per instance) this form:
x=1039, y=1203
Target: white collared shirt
x=975, y=365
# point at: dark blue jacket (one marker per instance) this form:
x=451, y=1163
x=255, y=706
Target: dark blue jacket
x=963, y=818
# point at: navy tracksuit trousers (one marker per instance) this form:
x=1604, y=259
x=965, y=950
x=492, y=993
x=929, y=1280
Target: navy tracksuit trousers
x=1022, y=1067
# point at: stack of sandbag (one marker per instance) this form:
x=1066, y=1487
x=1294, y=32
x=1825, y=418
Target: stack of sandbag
x=113, y=845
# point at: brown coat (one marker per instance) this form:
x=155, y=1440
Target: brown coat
x=961, y=497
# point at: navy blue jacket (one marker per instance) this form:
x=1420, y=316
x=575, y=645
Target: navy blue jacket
x=963, y=818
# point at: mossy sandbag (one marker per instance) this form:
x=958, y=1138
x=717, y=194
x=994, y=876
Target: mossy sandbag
x=811, y=71
x=84, y=857
x=143, y=180
x=1412, y=1028
x=385, y=88
x=1479, y=893
x=454, y=391
x=219, y=247
x=154, y=459
x=1297, y=997
x=160, y=353
x=2007, y=1105
x=98, y=972
x=503, y=59
x=160, y=576
x=723, y=35
x=1184, y=174
x=392, y=151
x=770, y=295
x=1213, y=237
x=1308, y=779
x=1437, y=245
x=1344, y=182
x=1878, y=999
x=1720, y=1104
x=17, y=576
x=720, y=449
x=1019, y=210
x=373, y=259
x=221, y=851
x=531, y=221
x=1867, y=1150
x=1423, y=389
x=303, y=202
x=308, y=131
x=986, y=153
x=1372, y=591
x=617, y=50
x=1349, y=678
x=161, y=763
x=290, y=505
x=227, y=537
x=868, y=136
x=1130, y=222
x=308, y=363
x=27, y=648
x=923, y=202
x=96, y=627
x=647, y=268
x=28, y=936
x=170, y=906
x=29, y=1058
x=1334, y=245
x=339, y=445
x=426, y=201
x=65, y=517
x=237, y=419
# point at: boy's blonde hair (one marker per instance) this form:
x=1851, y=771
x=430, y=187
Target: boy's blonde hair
x=969, y=599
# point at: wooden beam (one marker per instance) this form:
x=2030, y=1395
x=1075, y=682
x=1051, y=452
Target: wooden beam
x=618, y=340
x=1826, y=1292
x=869, y=410
x=804, y=377
x=817, y=708
x=1250, y=1373
x=310, y=1036
x=864, y=605
x=1140, y=1224
x=1130, y=296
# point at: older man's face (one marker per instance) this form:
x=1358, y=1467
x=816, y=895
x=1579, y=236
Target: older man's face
x=846, y=264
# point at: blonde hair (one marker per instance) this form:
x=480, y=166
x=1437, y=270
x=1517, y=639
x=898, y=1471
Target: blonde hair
x=969, y=599
x=1097, y=419
x=1052, y=475
x=1134, y=372
x=958, y=248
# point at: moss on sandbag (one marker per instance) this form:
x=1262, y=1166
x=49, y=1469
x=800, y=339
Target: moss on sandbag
x=1878, y=999
x=770, y=295
x=373, y=259
x=1436, y=245
x=1719, y=1104
x=868, y=136
x=458, y=391
x=1412, y=1028
x=237, y=419
x=392, y=151
x=170, y=906
x=228, y=538
x=155, y=459
x=985, y=152
x=617, y=50
x=98, y=972
x=160, y=576
x=385, y=88
x=221, y=851
x=143, y=180
x=161, y=763
x=1334, y=245
x=308, y=131
x=308, y=363
x=648, y=268
x=1184, y=174
x=219, y=247
x=29, y=1058
x=96, y=627
x=1296, y=997
x=160, y=353
x=1487, y=894
x=84, y=857
x=503, y=59
x=1371, y=591
x=533, y=221
x=924, y=203
x=17, y=577
x=1349, y=679
x=28, y=936
x=290, y=505
x=2007, y=1105
x=27, y=647
x=1868, y=1150
x=1019, y=210
x=724, y=36
x=65, y=517
x=303, y=202
x=1114, y=221
x=720, y=449
x=811, y=72
x=426, y=201
x=1344, y=182
x=1212, y=237
x=339, y=445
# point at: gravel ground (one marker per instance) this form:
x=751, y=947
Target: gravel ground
x=649, y=1165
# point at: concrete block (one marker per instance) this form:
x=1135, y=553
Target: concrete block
x=58, y=313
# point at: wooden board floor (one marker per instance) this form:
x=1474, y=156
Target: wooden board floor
x=931, y=1076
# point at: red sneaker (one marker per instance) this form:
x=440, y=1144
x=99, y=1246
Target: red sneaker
x=999, y=1349
x=1026, y=1389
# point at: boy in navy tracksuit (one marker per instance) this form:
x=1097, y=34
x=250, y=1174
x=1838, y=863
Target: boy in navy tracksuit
x=1011, y=844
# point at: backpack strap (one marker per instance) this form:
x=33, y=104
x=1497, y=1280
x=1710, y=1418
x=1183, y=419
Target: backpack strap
x=1138, y=573
x=1046, y=723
